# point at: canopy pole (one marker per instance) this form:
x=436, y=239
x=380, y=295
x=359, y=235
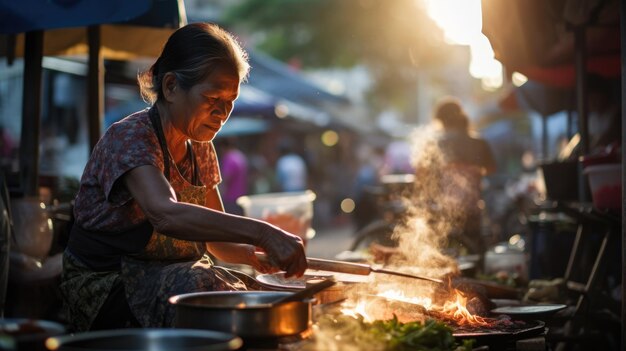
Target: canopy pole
x=31, y=112
x=95, y=85
x=581, y=99
x=581, y=86
x=545, y=154
x=623, y=59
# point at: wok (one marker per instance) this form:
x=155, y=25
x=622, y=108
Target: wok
x=248, y=314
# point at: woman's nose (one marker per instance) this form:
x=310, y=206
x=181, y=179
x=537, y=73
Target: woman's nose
x=222, y=109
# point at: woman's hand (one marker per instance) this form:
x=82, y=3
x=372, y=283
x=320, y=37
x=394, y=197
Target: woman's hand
x=284, y=250
x=262, y=266
x=239, y=254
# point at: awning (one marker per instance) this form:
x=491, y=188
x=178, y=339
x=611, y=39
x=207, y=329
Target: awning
x=303, y=99
x=536, y=37
x=83, y=20
x=557, y=43
x=541, y=98
x=31, y=15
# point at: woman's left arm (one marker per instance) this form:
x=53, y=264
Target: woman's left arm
x=232, y=252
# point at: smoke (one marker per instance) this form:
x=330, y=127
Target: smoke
x=435, y=214
x=430, y=214
x=437, y=206
x=440, y=207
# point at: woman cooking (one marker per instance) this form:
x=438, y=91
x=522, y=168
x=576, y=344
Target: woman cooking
x=148, y=208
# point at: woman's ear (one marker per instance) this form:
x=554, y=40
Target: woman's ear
x=169, y=85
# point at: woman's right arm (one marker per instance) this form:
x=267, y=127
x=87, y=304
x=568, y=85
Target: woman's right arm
x=191, y=222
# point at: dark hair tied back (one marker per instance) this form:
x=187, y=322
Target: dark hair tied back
x=191, y=53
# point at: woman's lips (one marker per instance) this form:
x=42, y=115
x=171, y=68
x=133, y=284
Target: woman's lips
x=214, y=128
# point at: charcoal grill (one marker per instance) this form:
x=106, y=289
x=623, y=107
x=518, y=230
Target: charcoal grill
x=501, y=337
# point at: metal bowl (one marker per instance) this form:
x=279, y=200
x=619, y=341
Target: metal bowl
x=27, y=334
x=248, y=314
x=146, y=340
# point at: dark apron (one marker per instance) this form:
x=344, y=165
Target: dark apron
x=167, y=266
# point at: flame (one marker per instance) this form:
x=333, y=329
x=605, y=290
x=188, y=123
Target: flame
x=359, y=309
x=454, y=309
x=458, y=311
x=399, y=295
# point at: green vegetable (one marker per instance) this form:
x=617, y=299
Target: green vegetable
x=389, y=335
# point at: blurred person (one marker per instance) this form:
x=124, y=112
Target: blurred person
x=148, y=210
x=234, y=171
x=397, y=158
x=467, y=158
x=8, y=150
x=261, y=178
x=291, y=170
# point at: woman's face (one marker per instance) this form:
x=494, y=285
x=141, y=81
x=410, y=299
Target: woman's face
x=200, y=112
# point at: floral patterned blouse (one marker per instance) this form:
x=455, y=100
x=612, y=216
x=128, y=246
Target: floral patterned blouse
x=103, y=203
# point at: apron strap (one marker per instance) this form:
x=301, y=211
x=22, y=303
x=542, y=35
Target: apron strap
x=156, y=124
x=194, y=166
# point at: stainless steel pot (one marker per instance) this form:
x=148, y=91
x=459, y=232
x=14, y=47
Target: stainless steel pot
x=248, y=314
x=146, y=340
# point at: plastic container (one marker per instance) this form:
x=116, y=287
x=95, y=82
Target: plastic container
x=291, y=211
x=605, y=182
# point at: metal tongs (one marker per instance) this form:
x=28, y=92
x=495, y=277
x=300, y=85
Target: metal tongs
x=351, y=268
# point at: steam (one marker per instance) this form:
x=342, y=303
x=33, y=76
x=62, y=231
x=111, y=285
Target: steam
x=435, y=208
x=431, y=213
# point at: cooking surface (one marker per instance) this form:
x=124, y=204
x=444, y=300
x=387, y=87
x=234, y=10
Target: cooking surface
x=514, y=328
x=278, y=280
x=528, y=310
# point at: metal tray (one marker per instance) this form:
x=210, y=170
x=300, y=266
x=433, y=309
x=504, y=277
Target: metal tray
x=530, y=311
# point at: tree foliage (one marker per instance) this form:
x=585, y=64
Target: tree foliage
x=393, y=38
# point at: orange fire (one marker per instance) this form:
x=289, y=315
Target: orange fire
x=458, y=311
x=454, y=309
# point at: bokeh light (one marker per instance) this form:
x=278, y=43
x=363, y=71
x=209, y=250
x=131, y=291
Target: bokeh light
x=330, y=138
x=347, y=205
x=518, y=79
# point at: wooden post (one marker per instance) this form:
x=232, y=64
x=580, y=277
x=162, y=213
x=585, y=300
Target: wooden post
x=581, y=86
x=623, y=58
x=580, y=56
x=95, y=86
x=31, y=113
